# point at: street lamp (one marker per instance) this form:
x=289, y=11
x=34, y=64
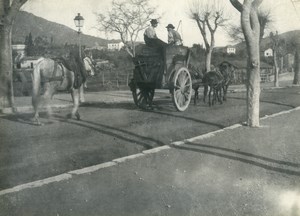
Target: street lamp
x=79, y=21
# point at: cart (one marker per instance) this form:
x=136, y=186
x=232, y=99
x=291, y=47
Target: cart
x=154, y=71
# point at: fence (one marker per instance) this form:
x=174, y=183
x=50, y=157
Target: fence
x=110, y=79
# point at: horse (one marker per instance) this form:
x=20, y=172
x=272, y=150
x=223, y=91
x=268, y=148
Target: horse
x=214, y=80
x=227, y=72
x=53, y=76
x=197, y=77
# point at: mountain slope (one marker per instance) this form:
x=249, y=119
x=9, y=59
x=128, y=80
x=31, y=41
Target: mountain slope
x=289, y=37
x=27, y=22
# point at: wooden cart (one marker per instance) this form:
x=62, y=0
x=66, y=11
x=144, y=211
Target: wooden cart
x=154, y=70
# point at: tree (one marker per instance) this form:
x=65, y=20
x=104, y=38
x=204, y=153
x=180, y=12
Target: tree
x=208, y=15
x=29, y=45
x=277, y=48
x=8, y=12
x=296, y=80
x=127, y=18
x=235, y=32
x=251, y=29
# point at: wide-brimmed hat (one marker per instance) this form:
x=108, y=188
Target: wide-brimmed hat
x=170, y=26
x=153, y=21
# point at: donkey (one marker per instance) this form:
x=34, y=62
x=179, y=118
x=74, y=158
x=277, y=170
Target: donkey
x=214, y=80
x=53, y=76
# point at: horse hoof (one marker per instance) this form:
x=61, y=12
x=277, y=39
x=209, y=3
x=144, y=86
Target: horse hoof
x=77, y=116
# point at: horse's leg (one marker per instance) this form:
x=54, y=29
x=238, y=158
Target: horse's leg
x=36, y=85
x=196, y=96
x=225, y=88
x=49, y=92
x=220, y=94
x=75, y=97
x=205, y=92
x=209, y=96
x=81, y=93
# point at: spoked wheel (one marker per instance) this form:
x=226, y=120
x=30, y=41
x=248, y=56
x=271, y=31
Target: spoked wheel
x=182, y=89
x=143, y=97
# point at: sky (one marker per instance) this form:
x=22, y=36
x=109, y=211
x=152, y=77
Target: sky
x=285, y=16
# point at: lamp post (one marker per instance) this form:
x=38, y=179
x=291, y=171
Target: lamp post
x=79, y=21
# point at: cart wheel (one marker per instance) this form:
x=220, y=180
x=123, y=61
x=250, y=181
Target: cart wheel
x=182, y=89
x=143, y=97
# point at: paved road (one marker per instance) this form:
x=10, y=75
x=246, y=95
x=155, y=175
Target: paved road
x=109, y=131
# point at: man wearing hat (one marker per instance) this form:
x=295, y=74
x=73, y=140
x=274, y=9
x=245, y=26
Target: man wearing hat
x=150, y=36
x=173, y=36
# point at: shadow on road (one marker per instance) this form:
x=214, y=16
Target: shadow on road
x=265, y=101
x=114, y=132
x=202, y=148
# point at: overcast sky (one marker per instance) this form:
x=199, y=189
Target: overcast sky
x=285, y=17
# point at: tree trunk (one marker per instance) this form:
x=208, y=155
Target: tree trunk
x=208, y=60
x=297, y=69
x=6, y=67
x=276, y=69
x=253, y=84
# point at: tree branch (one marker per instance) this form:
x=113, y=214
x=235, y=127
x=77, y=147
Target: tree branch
x=237, y=5
x=14, y=9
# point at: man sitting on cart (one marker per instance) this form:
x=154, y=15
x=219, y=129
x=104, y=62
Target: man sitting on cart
x=174, y=37
x=151, y=38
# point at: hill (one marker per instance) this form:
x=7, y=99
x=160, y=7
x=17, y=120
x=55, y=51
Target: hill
x=61, y=34
x=289, y=37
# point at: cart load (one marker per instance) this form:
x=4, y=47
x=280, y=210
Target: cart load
x=157, y=70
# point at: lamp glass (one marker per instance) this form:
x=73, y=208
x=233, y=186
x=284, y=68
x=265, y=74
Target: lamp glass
x=79, y=21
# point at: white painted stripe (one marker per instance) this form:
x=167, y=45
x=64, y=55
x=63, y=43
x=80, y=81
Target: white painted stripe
x=158, y=149
x=177, y=143
x=92, y=168
x=233, y=127
x=201, y=137
x=35, y=184
x=130, y=157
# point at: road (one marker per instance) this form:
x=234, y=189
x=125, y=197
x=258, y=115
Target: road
x=109, y=131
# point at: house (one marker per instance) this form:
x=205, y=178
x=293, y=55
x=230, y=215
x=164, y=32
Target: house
x=230, y=49
x=268, y=52
x=18, y=54
x=19, y=48
x=239, y=68
x=29, y=62
x=115, y=46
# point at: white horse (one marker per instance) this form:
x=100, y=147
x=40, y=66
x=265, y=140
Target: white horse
x=54, y=76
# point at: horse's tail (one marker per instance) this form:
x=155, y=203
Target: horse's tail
x=36, y=83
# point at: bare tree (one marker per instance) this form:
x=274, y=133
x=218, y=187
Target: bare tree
x=8, y=12
x=235, y=32
x=251, y=29
x=127, y=18
x=278, y=52
x=208, y=15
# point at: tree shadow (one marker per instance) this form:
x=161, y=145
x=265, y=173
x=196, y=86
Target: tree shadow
x=147, y=143
x=245, y=154
x=189, y=147
x=26, y=118
x=265, y=101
